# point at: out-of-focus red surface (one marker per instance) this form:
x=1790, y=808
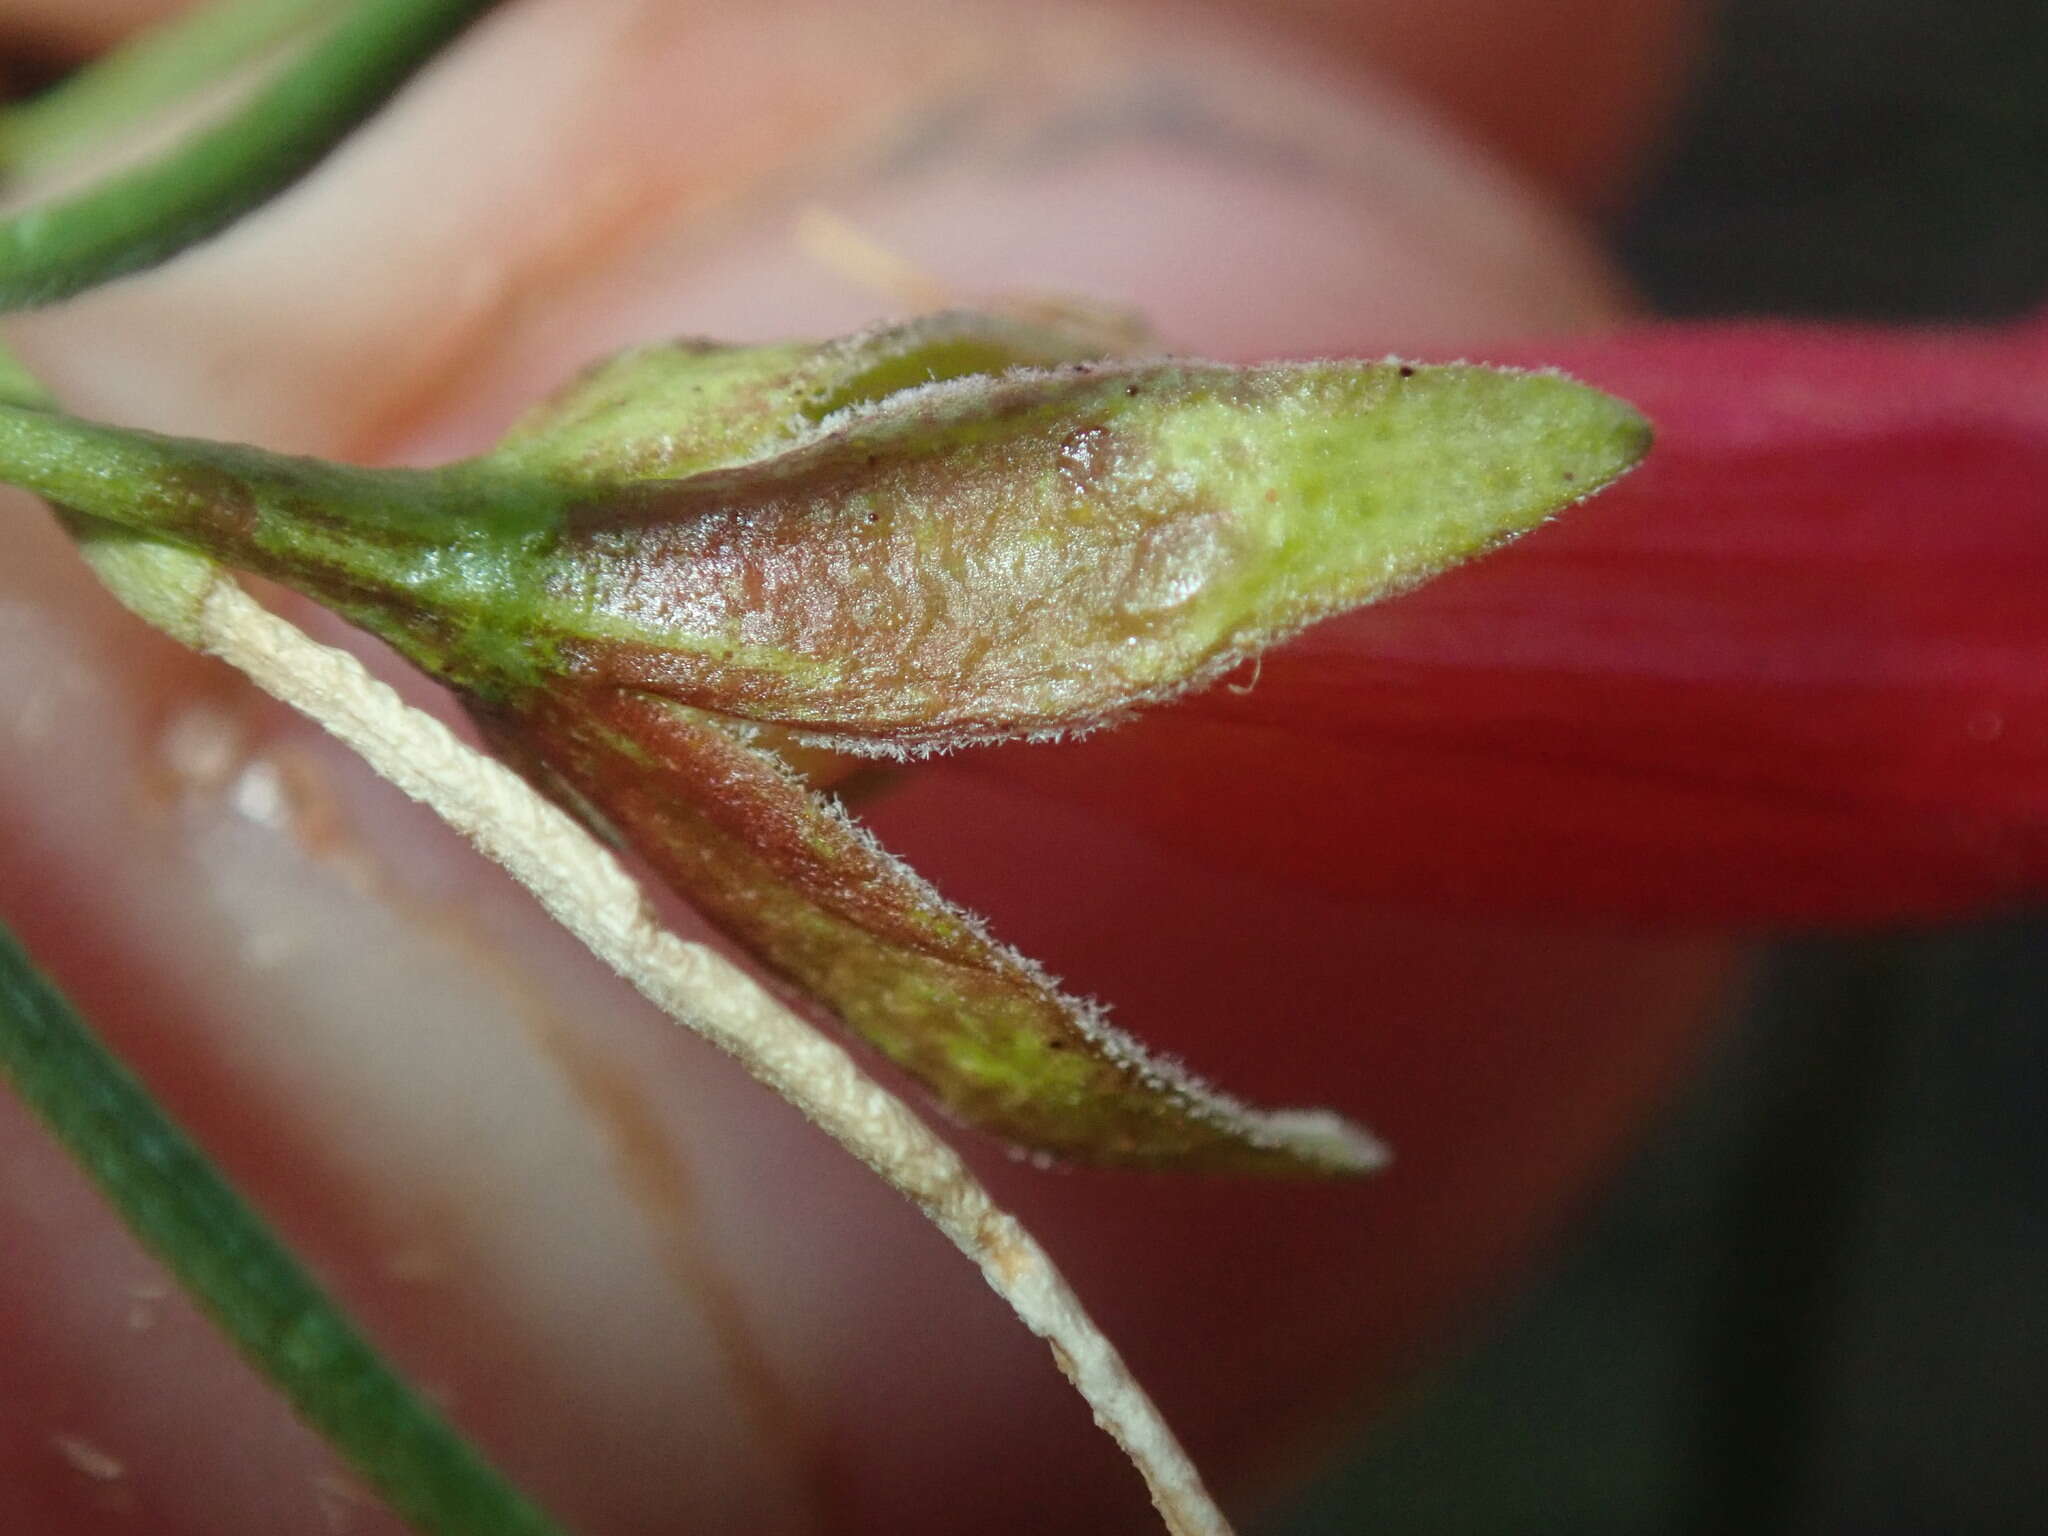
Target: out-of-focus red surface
x=1795, y=669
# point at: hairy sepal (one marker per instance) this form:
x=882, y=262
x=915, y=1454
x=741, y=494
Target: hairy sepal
x=813, y=897
x=986, y=558
x=679, y=408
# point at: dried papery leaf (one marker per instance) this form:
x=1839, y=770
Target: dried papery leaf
x=810, y=893
x=990, y=558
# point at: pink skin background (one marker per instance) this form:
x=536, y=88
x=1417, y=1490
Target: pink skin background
x=660, y=1299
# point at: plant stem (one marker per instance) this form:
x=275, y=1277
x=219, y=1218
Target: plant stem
x=172, y=488
x=139, y=218
x=155, y=70
x=175, y=1200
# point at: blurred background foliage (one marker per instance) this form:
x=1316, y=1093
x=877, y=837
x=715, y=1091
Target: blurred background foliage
x=1817, y=1301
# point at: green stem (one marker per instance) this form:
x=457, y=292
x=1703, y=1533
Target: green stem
x=216, y=497
x=424, y=559
x=149, y=214
x=157, y=69
x=182, y=1209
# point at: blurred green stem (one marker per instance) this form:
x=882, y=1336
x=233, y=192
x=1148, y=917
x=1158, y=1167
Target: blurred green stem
x=182, y=1209
x=155, y=70
x=137, y=218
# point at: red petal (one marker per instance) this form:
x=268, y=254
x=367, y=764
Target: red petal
x=1795, y=669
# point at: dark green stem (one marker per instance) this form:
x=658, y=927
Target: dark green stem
x=181, y=1208
x=147, y=215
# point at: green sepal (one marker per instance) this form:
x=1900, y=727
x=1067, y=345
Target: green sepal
x=679, y=408
x=815, y=898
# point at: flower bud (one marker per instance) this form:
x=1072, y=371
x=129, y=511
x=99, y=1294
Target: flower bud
x=950, y=532
x=989, y=558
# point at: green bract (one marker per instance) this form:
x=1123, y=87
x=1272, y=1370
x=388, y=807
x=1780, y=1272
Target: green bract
x=961, y=530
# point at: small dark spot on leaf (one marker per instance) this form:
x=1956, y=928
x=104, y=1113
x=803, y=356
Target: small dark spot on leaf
x=1407, y=372
x=1131, y=390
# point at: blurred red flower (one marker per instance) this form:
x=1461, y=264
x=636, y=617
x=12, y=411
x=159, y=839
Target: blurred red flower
x=1794, y=670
